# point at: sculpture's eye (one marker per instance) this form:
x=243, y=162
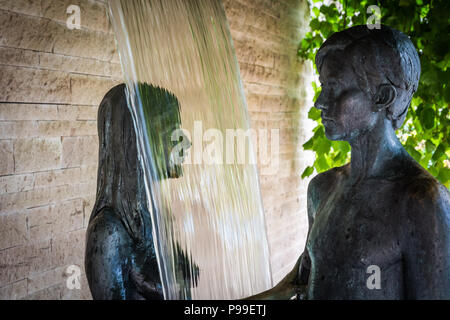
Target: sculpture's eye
x=331, y=83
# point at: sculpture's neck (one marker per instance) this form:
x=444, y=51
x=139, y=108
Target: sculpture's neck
x=376, y=153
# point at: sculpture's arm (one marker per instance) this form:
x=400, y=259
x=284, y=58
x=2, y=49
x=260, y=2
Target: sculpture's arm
x=296, y=281
x=304, y=270
x=151, y=289
x=426, y=246
x=313, y=197
x=284, y=290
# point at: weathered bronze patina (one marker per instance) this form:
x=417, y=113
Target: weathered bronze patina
x=382, y=211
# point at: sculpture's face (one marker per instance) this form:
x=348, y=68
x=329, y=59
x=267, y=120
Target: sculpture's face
x=161, y=111
x=346, y=109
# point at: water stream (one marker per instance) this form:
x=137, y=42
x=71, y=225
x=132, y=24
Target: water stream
x=213, y=212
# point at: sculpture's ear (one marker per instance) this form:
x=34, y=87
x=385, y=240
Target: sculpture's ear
x=384, y=97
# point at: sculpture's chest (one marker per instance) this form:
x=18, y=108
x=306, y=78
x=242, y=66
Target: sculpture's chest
x=351, y=232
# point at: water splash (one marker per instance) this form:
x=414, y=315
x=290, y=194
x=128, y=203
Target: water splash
x=213, y=212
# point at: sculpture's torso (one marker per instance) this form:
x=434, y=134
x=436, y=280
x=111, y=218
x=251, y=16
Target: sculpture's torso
x=356, y=227
x=112, y=255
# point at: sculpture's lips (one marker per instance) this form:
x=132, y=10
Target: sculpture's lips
x=325, y=119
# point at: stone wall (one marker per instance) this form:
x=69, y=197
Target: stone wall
x=52, y=81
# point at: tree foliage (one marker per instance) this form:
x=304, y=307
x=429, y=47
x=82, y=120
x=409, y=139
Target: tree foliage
x=425, y=133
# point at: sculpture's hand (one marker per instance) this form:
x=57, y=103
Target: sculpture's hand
x=302, y=292
x=150, y=290
x=285, y=289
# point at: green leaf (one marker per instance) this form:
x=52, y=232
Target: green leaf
x=444, y=175
x=307, y=172
x=323, y=146
x=434, y=171
x=440, y=151
x=315, y=24
x=314, y=114
x=343, y=146
x=309, y=144
x=321, y=163
x=429, y=146
x=427, y=118
x=414, y=153
x=316, y=11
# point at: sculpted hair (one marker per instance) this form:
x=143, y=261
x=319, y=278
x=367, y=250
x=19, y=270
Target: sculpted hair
x=120, y=177
x=378, y=56
x=120, y=180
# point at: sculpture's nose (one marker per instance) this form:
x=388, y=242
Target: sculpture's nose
x=321, y=103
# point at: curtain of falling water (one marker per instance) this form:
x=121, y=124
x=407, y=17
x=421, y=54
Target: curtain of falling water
x=213, y=212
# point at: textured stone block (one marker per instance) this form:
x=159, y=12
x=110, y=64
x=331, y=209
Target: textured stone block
x=26, y=32
x=30, y=7
x=73, y=112
x=18, y=57
x=14, y=291
x=73, y=64
x=115, y=69
x=47, y=129
x=33, y=85
x=46, y=279
x=52, y=293
x=68, y=248
x=63, y=177
x=37, y=154
x=16, y=183
x=15, y=112
x=13, y=230
x=84, y=43
x=249, y=53
x=18, y=262
x=44, y=196
x=78, y=151
x=90, y=90
x=6, y=157
x=49, y=221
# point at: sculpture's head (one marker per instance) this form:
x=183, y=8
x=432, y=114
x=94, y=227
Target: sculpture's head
x=366, y=76
x=120, y=174
x=162, y=114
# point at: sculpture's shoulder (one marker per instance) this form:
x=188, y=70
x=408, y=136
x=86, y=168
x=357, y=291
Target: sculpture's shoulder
x=424, y=200
x=323, y=183
x=423, y=189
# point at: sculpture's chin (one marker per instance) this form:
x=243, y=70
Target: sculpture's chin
x=334, y=135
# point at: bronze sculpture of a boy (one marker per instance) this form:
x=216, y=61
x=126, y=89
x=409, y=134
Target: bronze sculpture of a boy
x=382, y=212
